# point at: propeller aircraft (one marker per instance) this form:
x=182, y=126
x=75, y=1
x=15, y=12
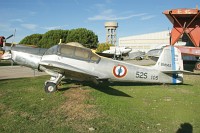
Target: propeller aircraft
x=116, y=53
x=73, y=61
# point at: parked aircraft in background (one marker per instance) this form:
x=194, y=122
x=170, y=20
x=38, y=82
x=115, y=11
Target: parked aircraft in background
x=3, y=39
x=73, y=61
x=3, y=43
x=116, y=53
x=154, y=54
x=137, y=55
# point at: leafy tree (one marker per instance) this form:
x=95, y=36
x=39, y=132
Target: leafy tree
x=53, y=37
x=103, y=46
x=86, y=37
x=32, y=39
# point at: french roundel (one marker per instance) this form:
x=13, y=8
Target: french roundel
x=119, y=71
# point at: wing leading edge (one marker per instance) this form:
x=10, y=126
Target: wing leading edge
x=70, y=72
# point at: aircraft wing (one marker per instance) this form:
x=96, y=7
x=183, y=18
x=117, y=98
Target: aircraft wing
x=69, y=71
x=110, y=55
x=105, y=55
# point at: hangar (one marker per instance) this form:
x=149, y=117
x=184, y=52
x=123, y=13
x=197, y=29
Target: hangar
x=146, y=42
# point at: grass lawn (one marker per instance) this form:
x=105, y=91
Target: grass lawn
x=109, y=107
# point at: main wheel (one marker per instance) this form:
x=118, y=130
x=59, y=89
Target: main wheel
x=197, y=66
x=50, y=87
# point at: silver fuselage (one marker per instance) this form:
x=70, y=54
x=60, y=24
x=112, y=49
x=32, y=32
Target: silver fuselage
x=27, y=56
x=101, y=68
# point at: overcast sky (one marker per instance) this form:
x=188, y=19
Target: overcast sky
x=133, y=16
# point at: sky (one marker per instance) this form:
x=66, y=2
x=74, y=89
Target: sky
x=134, y=17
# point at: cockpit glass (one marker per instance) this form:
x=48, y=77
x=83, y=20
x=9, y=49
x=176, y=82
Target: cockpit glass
x=78, y=53
x=67, y=50
x=52, y=50
x=82, y=53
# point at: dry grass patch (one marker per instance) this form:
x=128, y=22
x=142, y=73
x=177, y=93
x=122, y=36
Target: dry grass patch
x=78, y=109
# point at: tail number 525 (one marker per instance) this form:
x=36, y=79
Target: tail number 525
x=142, y=75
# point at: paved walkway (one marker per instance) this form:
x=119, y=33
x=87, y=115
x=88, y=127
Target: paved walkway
x=10, y=72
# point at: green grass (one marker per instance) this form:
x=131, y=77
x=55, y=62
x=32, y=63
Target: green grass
x=26, y=108
x=109, y=107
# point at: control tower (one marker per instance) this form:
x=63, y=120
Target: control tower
x=111, y=32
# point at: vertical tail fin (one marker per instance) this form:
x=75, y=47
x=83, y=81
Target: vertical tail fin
x=170, y=60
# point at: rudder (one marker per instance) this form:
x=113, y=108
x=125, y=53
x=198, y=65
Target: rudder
x=170, y=60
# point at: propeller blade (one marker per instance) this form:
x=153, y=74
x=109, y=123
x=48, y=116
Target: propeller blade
x=9, y=36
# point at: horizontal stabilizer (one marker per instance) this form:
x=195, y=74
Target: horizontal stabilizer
x=180, y=71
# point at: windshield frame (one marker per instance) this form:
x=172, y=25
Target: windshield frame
x=74, y=52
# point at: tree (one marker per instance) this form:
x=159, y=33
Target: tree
x=53, y=37
x=86, y=37
x=32, y=40
x=103, y=46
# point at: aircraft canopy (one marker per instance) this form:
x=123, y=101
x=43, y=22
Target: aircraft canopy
x=75, y=52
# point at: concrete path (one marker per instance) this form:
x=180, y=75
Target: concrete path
x=10, y=72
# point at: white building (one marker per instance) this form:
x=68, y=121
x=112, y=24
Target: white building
x=146, y=42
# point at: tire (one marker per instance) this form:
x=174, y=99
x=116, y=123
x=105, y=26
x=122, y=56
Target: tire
x=197, y=66
x=50, y=87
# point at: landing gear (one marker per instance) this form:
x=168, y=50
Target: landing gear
x=118, y=57
x=197, y=66
x=51, y=85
